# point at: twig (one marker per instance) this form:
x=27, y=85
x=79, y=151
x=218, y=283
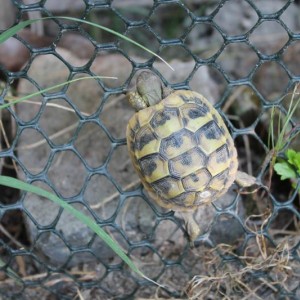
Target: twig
x=11, y=238
x=79, y=295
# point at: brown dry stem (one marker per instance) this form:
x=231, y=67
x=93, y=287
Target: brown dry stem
x=237, y=279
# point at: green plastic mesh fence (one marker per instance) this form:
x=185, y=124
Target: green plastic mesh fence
x=243, y=55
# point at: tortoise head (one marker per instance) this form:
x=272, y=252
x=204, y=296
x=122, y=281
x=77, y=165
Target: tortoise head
x=149, y=91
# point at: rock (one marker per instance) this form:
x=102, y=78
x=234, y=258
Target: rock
x=13, y=55
x=80, y=46
x=245, y=17
x=7, y=14
x=291, y=17
x=55, y=6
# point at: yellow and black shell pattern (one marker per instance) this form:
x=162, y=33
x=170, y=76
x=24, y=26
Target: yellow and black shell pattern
x=182, y=151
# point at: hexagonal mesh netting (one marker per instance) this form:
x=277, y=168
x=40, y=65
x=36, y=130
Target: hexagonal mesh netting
x=243, y=55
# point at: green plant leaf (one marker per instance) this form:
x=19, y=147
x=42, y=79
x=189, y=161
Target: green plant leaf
x=285, y=170
x=290, y=154
x=294, y=185
x=15, y=29
x=294, y=158
x=18, y=184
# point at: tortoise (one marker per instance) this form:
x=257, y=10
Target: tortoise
x=181, y=148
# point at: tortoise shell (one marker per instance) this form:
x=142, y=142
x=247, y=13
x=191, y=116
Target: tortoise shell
x=182, y=151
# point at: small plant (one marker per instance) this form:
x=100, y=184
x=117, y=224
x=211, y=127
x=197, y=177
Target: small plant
x=289, y=167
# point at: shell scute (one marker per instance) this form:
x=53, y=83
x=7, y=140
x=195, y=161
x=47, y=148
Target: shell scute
x=146, y=142
x=196, y=181
x=198, y=118
x=188, y=199
x=154, y=167
x=168, y=187
x=219, y=181
x=165, y=122
x=210, y=138
x=186, y=163
x=218, y=161
x=177, y=143
x=145, y=115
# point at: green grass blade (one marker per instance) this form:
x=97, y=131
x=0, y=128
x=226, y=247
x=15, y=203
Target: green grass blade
x=118, y=35
x=271, y=136
x=49, y=89
x=18, y=184
x=13, y=30
x=282, y=136
x=280, y=132
x=283, y=131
